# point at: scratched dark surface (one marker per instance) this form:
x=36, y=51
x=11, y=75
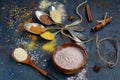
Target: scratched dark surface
x=10, y=70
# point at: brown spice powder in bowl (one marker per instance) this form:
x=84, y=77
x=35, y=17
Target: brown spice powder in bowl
x=70, y=58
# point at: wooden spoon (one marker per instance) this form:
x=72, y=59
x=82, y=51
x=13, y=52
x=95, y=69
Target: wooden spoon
x=30, y=63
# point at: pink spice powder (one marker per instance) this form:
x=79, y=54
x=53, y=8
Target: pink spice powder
x=69, y=58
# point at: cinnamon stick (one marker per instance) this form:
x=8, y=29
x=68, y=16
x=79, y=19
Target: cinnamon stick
x=100, y=25
x=88, y=13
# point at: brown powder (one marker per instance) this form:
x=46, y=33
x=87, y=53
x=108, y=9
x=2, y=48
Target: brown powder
x=36, y=29
x=33, y=37
x=27, y=14
x=28, y=21
x=17, y=15
x=45, y=19
x=19, y=28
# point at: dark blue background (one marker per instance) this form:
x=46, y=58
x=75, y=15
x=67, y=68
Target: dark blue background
x=10, y=70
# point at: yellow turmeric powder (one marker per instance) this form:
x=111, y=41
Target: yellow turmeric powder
x=49, y=46
x=47, y=35
x=32, y=45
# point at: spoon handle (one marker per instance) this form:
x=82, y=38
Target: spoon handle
x=49, y=76
x=38, y=68
x=77, y=40
x=73, y=35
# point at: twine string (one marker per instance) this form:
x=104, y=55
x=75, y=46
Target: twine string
x=111, y=64
x=103, y=22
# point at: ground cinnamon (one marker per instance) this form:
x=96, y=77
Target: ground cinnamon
x=33, y=37
x=88, y=13
x=45, y=19
x=36, y=29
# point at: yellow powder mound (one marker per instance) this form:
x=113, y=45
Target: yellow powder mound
x=47, y=35
x=32, y=45
x=49, y=46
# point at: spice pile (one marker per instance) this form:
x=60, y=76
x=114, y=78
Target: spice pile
x=18, y=15
x=36, y=29
x=49, y=46
x=46, y=19
x=47, y=35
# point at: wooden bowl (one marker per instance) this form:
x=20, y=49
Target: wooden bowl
x=70, y=71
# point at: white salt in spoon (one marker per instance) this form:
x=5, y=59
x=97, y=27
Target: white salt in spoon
x=22, y=57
